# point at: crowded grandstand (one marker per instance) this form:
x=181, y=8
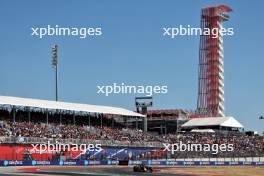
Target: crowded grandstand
x=22, y=125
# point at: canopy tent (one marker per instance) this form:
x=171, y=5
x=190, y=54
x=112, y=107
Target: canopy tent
x=65, y=106
x=202, y=131
x=213, y=121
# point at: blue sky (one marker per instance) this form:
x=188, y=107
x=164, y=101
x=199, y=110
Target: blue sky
x=132, y=50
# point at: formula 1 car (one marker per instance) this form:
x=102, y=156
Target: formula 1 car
x=142, y=168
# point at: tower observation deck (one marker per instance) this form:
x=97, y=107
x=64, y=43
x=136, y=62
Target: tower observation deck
x=211, y=63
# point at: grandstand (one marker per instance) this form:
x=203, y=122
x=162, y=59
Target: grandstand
x=30, y=121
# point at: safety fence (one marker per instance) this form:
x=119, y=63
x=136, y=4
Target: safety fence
x=129, y=162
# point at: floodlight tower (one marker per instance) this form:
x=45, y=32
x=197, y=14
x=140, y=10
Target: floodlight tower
x=54, y=62
x=211, y=63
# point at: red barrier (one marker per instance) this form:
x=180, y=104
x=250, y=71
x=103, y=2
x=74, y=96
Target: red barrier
x=16, y=152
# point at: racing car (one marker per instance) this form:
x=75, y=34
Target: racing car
x=142, y=168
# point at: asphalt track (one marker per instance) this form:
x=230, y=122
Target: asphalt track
x=78, y=171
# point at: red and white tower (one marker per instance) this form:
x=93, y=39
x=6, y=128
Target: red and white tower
x=211, y=63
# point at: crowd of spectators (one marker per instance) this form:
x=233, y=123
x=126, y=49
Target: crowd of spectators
x=63, y=131
x=244, y=145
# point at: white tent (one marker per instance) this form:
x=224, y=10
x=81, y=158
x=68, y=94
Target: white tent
x=213, y=121
x=202, y=131
x=58, y=105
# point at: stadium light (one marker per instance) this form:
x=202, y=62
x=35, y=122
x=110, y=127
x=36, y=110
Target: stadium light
x=54, y=62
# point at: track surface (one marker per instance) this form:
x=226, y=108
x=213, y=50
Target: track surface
x=78, y=171
x=128, y=171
